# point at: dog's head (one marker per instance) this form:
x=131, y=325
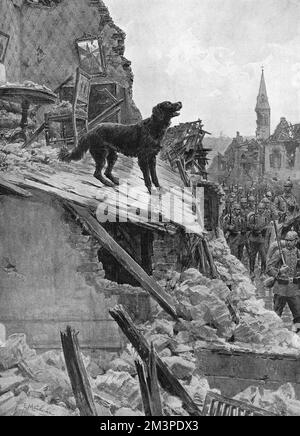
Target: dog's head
x=166, y=110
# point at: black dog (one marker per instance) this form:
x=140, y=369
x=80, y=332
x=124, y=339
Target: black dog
x=142, y=140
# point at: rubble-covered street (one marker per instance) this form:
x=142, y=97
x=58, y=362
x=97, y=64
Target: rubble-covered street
x=34, y=384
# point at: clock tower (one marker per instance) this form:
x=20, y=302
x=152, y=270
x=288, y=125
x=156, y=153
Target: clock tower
x=263, y=111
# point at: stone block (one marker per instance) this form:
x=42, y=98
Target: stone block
x=181, y=368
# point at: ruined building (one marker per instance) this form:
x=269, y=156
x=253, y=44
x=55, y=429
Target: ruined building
x=53, y=272
x=243, y=161
x=282, y=152
x=269, y=155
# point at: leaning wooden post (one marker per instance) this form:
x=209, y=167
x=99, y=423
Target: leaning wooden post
x=213, y=269
x=144, y=388
x=155, y=400
x=77, y=373
x=166, y=378
x=187, y=183
x=149, y=385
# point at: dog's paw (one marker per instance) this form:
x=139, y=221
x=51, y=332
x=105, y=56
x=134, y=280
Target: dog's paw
x=114, y=179
x=162, y=190
x=104, y=180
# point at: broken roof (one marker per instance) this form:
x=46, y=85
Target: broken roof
x=286, y=131
x=37, y=168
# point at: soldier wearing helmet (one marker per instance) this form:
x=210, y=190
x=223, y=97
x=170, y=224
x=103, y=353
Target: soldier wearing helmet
x=257, y=224
x=251, y=203
x=233, y=225
x=286, y=204
x=270, y=206
x=287, y=278
x=244, y=205
x=244, y=243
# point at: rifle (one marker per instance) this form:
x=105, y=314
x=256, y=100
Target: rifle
x=270, y=282
x=256, y=207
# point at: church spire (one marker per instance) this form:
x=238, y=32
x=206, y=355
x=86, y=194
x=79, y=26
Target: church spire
x=262, y=98
x=263, y=111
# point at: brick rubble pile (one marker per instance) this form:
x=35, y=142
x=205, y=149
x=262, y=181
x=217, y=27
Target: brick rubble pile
x=38, y=385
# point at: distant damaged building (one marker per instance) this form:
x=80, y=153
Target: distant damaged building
x=282, y=152
x=242, y=162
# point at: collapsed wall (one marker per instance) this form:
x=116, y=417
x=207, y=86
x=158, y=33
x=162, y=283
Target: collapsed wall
x=42, y=46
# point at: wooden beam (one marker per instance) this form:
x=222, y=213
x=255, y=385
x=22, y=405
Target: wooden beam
x=144, y=388
x=146, y=282
x=101, y=118
x=166, y=378
x=13, y=189
x=155, y=400
x=147, y=374
x=214, y=271
x=34, y=136
x=210, y=260
x=77, y=373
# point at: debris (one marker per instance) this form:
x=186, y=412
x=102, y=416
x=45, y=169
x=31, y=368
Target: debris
x=165, y=376
x=147, y=375
x=121, y=365
x=77, y=373
x=56, y=380
x=128, y=412
x=198, y=389
x=54, y=358
x=94, y=370
x=10, y=383
x=14, y=351
x=181, y=368
x=160, y=341
x=36, y=407
x=8, y=404
x=2, y=335
x=165, y=353
x=163, y=327
x=281, y=402
x=173, y=406
x=122, y=387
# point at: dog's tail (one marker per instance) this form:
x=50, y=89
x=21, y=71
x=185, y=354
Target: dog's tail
x=77, y=153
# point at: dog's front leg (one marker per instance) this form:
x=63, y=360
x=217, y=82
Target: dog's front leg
x=152, y=166
x=144, y=166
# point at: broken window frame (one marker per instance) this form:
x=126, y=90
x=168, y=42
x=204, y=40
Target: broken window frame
x=89, y=38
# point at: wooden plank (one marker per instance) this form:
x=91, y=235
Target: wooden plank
x=11, y=188
x=105, y=114
x=78, y=188
x=166, y=378
x=149, y=385
x=34, y=136
x=78, y=376
x=155, y=400
x=248, y=365
x=144, y=388
x=213, y=268
x=146, y=282
x=83, y=201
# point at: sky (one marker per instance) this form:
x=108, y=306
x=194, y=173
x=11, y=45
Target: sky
x=209, y=53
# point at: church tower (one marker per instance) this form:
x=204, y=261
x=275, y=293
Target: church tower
x=263, y=111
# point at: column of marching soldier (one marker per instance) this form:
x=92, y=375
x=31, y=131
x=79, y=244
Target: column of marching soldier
x=249, y=221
